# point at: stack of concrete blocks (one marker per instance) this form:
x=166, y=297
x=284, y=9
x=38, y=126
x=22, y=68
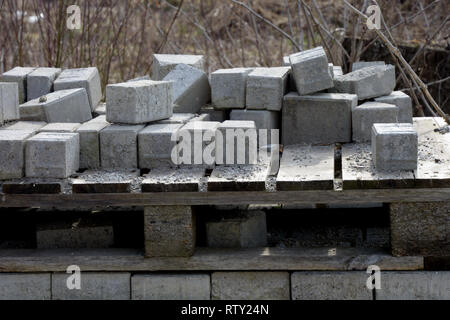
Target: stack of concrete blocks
x=40, y=82
x=369, y=113
x=12, y=155
x=18, y=75
x=9, y=102
x=90, y=142
x=163, y=64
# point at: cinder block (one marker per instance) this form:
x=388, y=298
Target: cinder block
x=60, y=127
x=369, y=82
x=228, y=88
x=139, y=102
x=323, y=118
x=171, y=287
x=25, y=286
x=60, y=106
x=266, y=88
x=311, y=71
x=156, y=145
x=394, y=146
x=33, y=126
x=182, y=118
x=118, y=146
x=330, y=286
x=191, y=88
x=90, y=143
x=364, y=64
x=94, y=286
x=403, y=102
x=250, y=286
x=40, y=82
x=164, y=63
x=214, y=114
x=87, y=78
x=19, y=75
x=366, y=114
x=52, y=155
x=9, y=101
x=169, y=231
x=12, y=159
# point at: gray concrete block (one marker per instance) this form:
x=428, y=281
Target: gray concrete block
x=264, y=119
x=25, y=286
x=12, y=158
x=164, y=63
x=139, y=102
x=52, y=155
x=60, y=106
x=94, y=286
x=214, y=114
x=145, y=77
x=90, y=143
x=169, y=231
x=87, y=78
x=337, y=71
x=250, y=286
x=311, y=71
x=9, y=101
x=366, y=114
x=101, y=118
x=330, y=286
x=266, y=88
x=118, y=146
x=403, y=102
x=414, y=285
x=291, y=81
x=228, y=88
x=40, y=82
x=364, y=64
x=33, y=126
x=171, y=287
x=201, y=117
x=60, y=127
x=18, y=75
x=191, y=88
x=323, y=118
x=156, y=143
x=394, y=146
x=100, y=109
x=180, y=118
x=369, y=82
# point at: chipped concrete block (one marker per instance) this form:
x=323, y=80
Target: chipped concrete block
x=164, y=63
x=403, y=102
x=60, y=127
x=33, y=126
x=90, y=143
x=214, y=114
x=25, y=286
x=139, y=102
x=364, y=64
x=18, y=75
x=228, y=88
x=9, y=101
x=12, y=158
x=182, y=118
x=40, y=82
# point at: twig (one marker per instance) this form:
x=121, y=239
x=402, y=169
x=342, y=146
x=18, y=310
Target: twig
x=428, y=84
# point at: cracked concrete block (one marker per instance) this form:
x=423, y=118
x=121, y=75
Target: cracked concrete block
x=403, y=102
x=364, y=64
x=18, y=75
x=25, y=286
x=40, y=82
x=12, y=158
x=228, y=88
x=60, y=127
x=9, y=101
x=90, y=143
x=165, y=63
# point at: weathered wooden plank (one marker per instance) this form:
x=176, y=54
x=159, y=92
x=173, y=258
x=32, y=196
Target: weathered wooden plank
x=104, y=181
x=23, y=187
x=184, y=179
x=306, y=168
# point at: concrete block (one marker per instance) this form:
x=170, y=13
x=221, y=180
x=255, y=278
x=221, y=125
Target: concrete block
x=250, y=286
x=394, y=146
x=101, y=118
x=191, y=88
x=18, y=75
x=60, y=106
x=330, y=286
x=201, y=117
x=291, y=81
x=369, y=82
x=60, y=127
x=52, y=155
x=323, y=118
x=182, y=118
x=100, y=109
x=311, y=71
x=337, y=71
x=164, y=63
x=12, y=159
x=264, y=119
x=266, y=88
x=9, y=101
x=228, y=88
x=33, y=126
x=243, y=230
x=366, y=114
x=403, y=102
x=90, y=143
x=94, y=286
x=214, y=114
x=169, y=231
x=139, y=102
x=146, y=77
x=40, y=82
x=25, y=286
x=364, y=64
x=171, y=287
x=118, y=146
x=414, y=285
x=155, y=145
x=87, y=78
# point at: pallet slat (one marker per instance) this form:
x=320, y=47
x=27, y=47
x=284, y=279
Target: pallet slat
x=184, y=179
x=104, y=181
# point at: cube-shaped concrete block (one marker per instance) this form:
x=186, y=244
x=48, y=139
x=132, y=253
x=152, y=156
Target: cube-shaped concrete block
x=33, y=126
x=61, y=106
x=364, y=64
x=157, y=144
x=366, y=114
x=12, y=159
x=18, y=75
x=266, y=88
x=171, y=287
x=191, y=88
x=228, y=88
x=311, y=71
x=323, y=118
x=52, y=155
x=182, y=118
x=60, y=127
x=40, y=82
x=25, y=286
x=394, y=146
x=87, y=78
x=369, y=82
x=118, y=146
x=164, y=63
x=9, y=101
x=90, y=143
x=139, y=102
x=403, y=102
